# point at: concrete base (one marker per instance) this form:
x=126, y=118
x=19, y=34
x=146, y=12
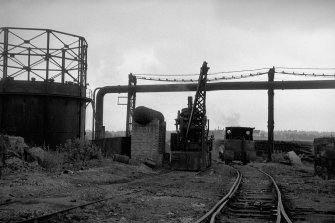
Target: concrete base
x=148, y=141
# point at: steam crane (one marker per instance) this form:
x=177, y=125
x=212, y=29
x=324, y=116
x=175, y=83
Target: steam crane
x=190, y=146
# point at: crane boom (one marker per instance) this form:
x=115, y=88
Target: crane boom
x=198, y=120
x=190, y=147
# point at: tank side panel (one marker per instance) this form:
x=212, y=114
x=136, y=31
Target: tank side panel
x=23, y=116
x=82, y=119
x=63, y=120
x=42, y=115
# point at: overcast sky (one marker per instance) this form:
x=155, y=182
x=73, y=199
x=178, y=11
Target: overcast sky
x=177, y=36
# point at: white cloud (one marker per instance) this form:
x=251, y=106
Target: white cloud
x=139, y=61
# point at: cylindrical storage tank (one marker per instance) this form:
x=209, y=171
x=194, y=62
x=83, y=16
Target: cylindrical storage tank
x=43, y=97
x=143, y=115
x=42, y=113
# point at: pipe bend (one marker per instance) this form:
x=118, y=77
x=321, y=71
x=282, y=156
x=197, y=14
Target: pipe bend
x=99, y=105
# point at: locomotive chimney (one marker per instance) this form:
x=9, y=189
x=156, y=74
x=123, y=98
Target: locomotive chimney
x=190, y=105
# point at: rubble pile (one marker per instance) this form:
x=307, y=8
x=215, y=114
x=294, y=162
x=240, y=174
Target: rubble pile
x=17, y=156
x=15, y=164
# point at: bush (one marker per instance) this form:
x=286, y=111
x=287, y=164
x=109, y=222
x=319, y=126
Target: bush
x=53, y=161
x=76, y=150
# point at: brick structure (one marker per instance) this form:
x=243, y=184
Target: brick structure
x=148, y=141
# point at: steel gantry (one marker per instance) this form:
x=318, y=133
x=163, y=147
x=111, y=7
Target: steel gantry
x=269, y=85
x=130, y=104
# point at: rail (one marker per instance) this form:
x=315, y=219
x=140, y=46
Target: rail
x=212, y=214
x=280, y=206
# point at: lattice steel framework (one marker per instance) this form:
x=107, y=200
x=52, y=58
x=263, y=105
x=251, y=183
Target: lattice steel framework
x=198, y=120
x=42, y=55
x=132, y=81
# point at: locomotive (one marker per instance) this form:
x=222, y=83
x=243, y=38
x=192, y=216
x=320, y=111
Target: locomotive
x=238, y=145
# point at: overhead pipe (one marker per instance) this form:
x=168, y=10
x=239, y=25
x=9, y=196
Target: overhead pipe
x=256, y=85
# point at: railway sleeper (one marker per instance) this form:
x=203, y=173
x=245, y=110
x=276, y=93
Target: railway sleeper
x=241, y=214
x=244, y=220
x=257, y=196
x=254, y=199
x=263, y=206
x=256, y=184
x=239, y=210
x=259, y=190
x=268, y=186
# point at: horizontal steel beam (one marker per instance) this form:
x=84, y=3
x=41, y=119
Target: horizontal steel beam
x=257, y=85
x=39, y=29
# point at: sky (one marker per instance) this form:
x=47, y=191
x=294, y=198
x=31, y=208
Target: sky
x=175, y=37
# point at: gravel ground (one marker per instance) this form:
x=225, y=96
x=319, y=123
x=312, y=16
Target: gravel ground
x=308, y=198
x=139, y=194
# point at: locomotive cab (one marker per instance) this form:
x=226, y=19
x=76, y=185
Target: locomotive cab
x=238, y=145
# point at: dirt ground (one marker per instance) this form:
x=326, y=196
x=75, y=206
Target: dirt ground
x=308, y=197
x=139, y=194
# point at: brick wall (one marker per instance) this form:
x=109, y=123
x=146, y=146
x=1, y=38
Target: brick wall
x=148, y=141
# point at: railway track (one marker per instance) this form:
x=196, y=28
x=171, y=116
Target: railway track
x=254, y=197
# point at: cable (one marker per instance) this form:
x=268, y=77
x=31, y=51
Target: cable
x=180, y=75
x=306, y=74
x=306, y=68
x=195, y=80
x=237, y=71
x=233, y=77
x=165, y=75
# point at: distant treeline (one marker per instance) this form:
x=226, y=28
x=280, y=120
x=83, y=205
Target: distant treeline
x=280, y=135
x=284, y=135
x=294, y=135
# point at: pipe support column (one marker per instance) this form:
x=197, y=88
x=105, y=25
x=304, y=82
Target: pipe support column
x=271, y=93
